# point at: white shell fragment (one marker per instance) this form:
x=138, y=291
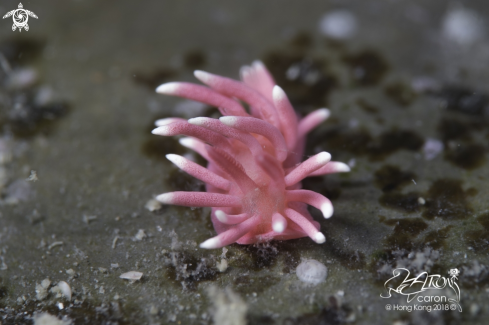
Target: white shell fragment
x=131, y=275
x=56, y=243
x=47, y=319
x=153, y=205
x=65, y=289
x=62, y=289
x=311, y=271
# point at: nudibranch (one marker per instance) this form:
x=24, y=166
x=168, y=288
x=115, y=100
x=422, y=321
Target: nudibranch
x=254, y=172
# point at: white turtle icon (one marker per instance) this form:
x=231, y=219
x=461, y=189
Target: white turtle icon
x=20, y=17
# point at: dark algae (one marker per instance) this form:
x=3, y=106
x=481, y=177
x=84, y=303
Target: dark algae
x=463, y=100
x=153, y=79
x=361, y=142
x=85, y=313
x=352, y=259
x=332, y=190
x=22, y=111
x=467, y=156
x=389, y=178
x=266, y=255
x=186, y=270
x=400, y=92
x=305, y=80
x=194, y=59
x=247, y=284
x=405, y=232
x=366, y=106
x=395, y=139
x=302, y=40
x=158, y=147
x=29, y=118
x=21, y=50
x=367, y=68
x=409, y=235
x=454, y=129
x=259, y=256
x=446, y=199
x=408, y=202
x=479, y=239
x=436, y=238
x=461, y=150
x=333, y=313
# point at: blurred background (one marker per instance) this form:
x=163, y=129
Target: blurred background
x=406, y=83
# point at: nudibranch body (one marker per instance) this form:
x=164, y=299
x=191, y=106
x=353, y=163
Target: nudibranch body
x=254, y=172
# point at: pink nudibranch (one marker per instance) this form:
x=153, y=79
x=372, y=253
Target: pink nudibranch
x=254, y=172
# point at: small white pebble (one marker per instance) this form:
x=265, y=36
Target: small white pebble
x=153, y=205
x=44, y=96
x=293, y=72
x=353, y=123
x=114, y=266
x=432, y=148
x=311, y=271
x=32, y=177
x=131, y=275
x=61, y=306
x=421, y=201
x=338, y=24
x=463, y=26
x=153, y=310
x=140, y=235
x=45, y=283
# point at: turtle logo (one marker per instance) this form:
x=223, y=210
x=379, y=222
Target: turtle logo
x=20, y=17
